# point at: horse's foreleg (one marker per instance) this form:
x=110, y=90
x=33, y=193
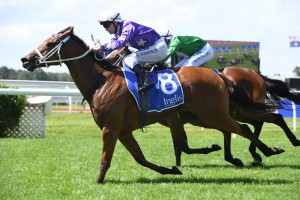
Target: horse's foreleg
x=178, y=136
x=247, y=133
x=280, y=122
x=180, y=141
x=133, y=147
x=257, y=119
x=252, y=148
x=109, y=140
x=227, y=150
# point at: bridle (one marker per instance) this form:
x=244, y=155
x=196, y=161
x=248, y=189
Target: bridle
x=43, y=59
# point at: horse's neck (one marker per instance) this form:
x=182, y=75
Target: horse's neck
x=84, y=73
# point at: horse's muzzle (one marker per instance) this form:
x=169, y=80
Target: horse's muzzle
x=28, y=63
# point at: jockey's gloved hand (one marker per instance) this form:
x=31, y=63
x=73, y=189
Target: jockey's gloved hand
x=95, y=47
x=97, y=44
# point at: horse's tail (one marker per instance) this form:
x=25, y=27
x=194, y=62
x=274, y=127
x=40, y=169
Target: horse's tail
x=278, y=89
x=239, y=97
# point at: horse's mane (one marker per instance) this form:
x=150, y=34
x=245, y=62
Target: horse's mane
x=86, y=47
x=80, y=41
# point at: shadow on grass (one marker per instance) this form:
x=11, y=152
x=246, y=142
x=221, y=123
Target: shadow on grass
x=185, y=180
x=247, y=166
x=180, y=180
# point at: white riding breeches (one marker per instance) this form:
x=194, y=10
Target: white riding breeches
x=152, y=54
x=198, y=58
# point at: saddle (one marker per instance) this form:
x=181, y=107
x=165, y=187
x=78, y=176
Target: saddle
x=114, y=59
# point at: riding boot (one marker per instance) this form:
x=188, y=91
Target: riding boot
x=144, y=81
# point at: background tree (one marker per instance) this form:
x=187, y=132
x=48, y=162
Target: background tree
x=297, y=70
x=6, y=73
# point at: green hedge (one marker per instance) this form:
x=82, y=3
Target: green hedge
x=11, y=109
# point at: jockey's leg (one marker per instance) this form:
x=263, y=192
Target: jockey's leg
x=143, y=79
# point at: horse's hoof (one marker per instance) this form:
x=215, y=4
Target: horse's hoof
x=237, y=162
x=296, y=144
x=216, y=147
x=256, y=157
x=176, y=170
x=100, y=181
x=256, y=163
x=278, y=150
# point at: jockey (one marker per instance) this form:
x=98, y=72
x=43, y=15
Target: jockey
x=194, y=50
x=149, y=46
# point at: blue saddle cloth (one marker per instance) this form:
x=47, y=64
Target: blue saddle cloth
x=167, y=92
x=217, y=71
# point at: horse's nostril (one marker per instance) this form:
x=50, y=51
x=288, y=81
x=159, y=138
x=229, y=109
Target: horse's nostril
x=24, y=60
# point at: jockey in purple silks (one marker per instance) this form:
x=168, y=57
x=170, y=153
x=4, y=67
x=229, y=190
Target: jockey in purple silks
x=148, y=45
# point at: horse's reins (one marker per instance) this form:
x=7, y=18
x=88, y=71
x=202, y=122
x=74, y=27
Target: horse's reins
x=43, y=58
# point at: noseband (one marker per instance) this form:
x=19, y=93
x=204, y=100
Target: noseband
x=43, y=59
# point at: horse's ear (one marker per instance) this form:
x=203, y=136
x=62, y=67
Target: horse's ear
x=71, y=29
x=68, y=31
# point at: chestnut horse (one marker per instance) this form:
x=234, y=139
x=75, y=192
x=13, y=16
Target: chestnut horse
x=257, y=86
x=206, y=96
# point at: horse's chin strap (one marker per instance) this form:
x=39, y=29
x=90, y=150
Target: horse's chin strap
x=43, y=58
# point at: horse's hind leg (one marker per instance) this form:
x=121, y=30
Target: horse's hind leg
x=133, y=147
x=227, y=150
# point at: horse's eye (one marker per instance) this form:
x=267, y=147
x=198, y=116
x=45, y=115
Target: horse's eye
x=49, y=45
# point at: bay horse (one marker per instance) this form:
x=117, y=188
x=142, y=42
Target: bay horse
x=206, y=96
x=260, y=89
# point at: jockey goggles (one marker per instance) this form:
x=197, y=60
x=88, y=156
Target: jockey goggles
x=106, y=24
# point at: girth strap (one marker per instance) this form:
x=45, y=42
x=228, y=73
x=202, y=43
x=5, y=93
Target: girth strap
x=144, y=110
